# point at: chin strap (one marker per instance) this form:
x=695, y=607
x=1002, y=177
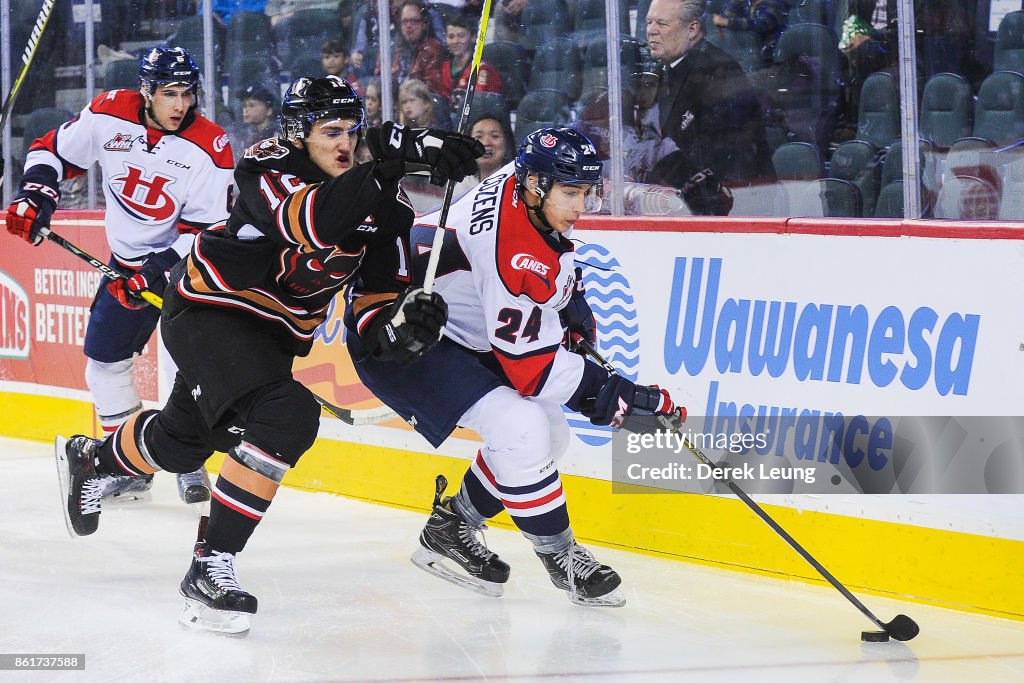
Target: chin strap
x=538, y=210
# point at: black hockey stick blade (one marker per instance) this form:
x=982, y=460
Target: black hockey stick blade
x=901, y=628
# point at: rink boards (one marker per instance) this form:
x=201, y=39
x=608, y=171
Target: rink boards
x=867, y=318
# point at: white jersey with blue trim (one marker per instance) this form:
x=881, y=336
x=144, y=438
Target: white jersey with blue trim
x=504, y=283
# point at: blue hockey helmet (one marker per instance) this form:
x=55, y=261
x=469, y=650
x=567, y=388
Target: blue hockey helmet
x=560, y=155
x=312, y=99
x=167, y=66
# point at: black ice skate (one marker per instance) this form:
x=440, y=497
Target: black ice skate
x=194, y=487
x=213, y=599
x=127, y=489
x=80, y=485
x=587, y=581
x=447, y=536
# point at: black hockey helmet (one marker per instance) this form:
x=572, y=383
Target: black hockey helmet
x=312, y=99
x=167, y=66
x=560, y=155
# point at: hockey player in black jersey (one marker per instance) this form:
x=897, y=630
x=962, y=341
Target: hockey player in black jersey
x=246, y=302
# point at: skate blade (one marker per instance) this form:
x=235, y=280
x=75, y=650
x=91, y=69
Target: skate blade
x=200, y=617
x=201, y=509
x=128, y=499
x=64, y=480
x=612, y=599
x=432, y=563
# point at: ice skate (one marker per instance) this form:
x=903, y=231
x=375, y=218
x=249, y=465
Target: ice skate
x=127, y=489
x=587, y=581
x=213, y=599
x=447, y=537
x=194, y=487
x=80, y=485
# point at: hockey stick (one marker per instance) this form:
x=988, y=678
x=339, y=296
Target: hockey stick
x=111, y=273
x=26, y=57
x=449, y=190
x=901, y=627
x=346, y=415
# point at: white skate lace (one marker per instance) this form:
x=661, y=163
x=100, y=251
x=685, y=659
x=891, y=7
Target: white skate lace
x=577, y=561
x=468, y=536
x=221, y=568
x=92, y=491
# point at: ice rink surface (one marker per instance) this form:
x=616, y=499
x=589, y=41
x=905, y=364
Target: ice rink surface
x=340, y=601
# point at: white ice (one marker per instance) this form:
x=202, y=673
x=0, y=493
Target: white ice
x=340, y=601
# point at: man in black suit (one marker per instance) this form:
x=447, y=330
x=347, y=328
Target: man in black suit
x=708, y=108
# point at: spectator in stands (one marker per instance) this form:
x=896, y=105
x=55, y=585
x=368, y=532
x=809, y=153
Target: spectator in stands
x=764, y=18
x=346, y=15
x=499, y=145
x=225, y=8
x=334, y=62
x=371, y=103
x=259, y=118
x=455, y=70
x=417, y=108
x=416, y=54
x=863, y=51
x=707, y=107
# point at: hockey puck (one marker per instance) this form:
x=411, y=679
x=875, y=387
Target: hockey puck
x=874, y=636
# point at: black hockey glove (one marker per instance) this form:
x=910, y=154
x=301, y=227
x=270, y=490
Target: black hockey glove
x=705, y=194
x=447, y=155
x=620, y=397
x=577, y=318
x=33, y=206
x=151, y=276
x=412, y=326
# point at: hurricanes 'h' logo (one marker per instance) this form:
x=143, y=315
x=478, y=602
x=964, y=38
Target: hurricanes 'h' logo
x=144, y=197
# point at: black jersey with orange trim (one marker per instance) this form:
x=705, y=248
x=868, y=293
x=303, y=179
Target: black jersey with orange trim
x=296, y=237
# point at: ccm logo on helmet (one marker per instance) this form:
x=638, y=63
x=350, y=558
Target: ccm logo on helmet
x=530, y=263
x=548, y=140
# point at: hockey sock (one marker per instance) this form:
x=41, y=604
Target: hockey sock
x=537, y=508
x=247, y=483
x=551, y=544
x=124, y=451
x=474, y=503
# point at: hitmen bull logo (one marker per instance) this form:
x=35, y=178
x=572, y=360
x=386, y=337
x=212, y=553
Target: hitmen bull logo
x=144, y=197
x=306, y=273
x=618, y=335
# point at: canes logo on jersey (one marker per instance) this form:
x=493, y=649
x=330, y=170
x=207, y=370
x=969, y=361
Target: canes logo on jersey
x=530, y=263
x=122, y=142
x=144, y=197
x=307, y=273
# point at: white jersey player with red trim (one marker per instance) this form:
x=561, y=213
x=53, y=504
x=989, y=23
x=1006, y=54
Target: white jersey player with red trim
x=504, y=283
x=160, y=188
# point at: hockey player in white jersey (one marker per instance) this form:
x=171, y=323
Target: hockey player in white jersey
x=166, y=175
x=508, y=276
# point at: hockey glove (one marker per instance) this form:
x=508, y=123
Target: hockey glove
x=413, y=325
x=449, y=156
x=577, y=318
x=152, y=276
x=31, y=210
x=705, y=194
x=620, y=397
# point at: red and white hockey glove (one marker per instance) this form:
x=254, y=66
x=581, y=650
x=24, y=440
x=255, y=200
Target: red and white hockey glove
x=620, y=397
x=152, y=276
x=30, y=212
